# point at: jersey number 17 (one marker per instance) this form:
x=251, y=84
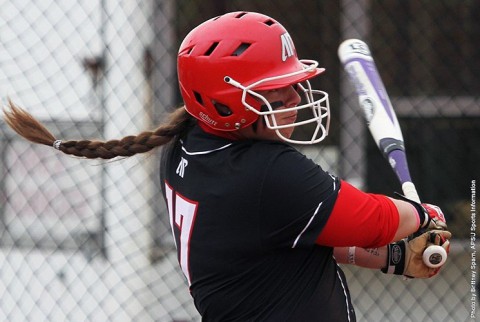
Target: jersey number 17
x=182, y=212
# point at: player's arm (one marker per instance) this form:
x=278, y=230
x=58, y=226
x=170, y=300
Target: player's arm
x=404, y=257
x=367, y=220
x=374, y=258
x=371, y=221
x=408, y=219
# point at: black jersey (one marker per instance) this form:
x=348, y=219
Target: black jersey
x=245, y=216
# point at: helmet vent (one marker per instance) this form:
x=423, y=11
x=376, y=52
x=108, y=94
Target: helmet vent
x=186, y=51
x=198, y=97
x=211, y=49
x=240, y=49
x=269, y=22
x=240, y=15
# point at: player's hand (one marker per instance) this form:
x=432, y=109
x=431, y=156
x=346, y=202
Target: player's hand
x=431, y=216
x=437, y=218
x=405, y=257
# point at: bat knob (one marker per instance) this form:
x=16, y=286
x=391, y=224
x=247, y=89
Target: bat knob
x=434, y=256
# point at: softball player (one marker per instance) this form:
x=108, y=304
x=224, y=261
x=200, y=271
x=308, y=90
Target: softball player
x=259, y=228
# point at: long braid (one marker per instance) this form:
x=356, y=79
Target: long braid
x=31, y=129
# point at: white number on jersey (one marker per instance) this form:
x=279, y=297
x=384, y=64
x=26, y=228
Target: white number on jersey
x=182, y=213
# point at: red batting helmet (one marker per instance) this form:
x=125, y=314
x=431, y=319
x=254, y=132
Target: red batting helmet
x=225, y=60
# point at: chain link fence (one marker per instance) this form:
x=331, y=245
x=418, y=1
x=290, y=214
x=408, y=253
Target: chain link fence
x=89, y=240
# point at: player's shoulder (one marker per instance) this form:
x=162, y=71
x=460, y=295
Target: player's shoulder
x=270, y=152
x=268, y=148
x=282, y=153
x=285, y=165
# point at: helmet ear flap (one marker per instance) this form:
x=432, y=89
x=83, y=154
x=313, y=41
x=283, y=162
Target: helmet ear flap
x=247, y=117
x=222, y=109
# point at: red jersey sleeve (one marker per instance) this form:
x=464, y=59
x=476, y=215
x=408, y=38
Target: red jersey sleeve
x=360, y=219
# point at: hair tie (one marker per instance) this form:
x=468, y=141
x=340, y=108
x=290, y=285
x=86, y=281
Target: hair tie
x=56, y=144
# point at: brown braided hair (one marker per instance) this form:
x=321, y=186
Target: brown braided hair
x=31, y=129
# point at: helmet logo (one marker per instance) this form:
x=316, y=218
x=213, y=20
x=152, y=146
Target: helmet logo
x=207, y=119
x=288, y=49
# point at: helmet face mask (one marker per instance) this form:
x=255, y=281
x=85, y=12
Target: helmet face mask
x=225, y=62
x=316, y=102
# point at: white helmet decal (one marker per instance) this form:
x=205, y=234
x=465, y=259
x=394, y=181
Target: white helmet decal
x=288, y=49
